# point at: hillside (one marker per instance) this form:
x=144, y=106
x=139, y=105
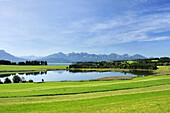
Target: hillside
x=6, y=56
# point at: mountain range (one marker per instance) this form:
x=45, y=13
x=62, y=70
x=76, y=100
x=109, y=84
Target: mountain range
x=6, y=56
x=71, y=57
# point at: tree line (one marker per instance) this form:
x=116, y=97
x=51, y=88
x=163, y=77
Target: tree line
x=104, y=64
x=6, y=62
x=150, y=63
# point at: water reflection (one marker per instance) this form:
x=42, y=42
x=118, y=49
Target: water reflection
x=30, y=73
x=141, y=73
x=73, y=75
x=134, y=72
x=5, y=75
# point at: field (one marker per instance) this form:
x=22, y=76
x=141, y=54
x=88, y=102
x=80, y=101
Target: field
x=167, y=68
x=10, y=69
x=28, y=68
x=142, y=94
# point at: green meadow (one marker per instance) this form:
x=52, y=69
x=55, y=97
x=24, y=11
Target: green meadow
x=166, y=68
x=12, y=69
x=141, y=94
x=31, y=67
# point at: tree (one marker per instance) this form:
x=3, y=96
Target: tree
x=5, y=62
x=7, y=80
x=21, y=63
x=16, y=79
x=45, y=62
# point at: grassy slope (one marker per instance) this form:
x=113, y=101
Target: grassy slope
x=55, y=88
x=143, y=94
x=150, y=102
x=113, y=96
x=38, y=99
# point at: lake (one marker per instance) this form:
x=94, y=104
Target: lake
x=63, y=75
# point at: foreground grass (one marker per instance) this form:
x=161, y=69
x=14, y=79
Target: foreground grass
x=143, y=94
x=23, y=100
x=149, y=102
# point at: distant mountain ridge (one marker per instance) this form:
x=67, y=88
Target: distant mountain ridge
x=77, y=57
x=71, y=57
x=32, y=57
x=6, y=56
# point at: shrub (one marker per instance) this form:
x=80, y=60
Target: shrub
x=16, y=79
x=23, y=80
x=30, y=80
x=7, y=80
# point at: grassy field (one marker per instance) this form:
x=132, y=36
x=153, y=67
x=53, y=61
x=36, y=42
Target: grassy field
x=11, y=69
x=28, y=68
x=154, y=60
x=142, y=94
x=167, y=68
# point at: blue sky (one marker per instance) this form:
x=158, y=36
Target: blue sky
x=42, y=27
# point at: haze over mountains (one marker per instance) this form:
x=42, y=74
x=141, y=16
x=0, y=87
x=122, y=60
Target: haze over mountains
x=6, y=56
x=76, y=57
x=71, y=57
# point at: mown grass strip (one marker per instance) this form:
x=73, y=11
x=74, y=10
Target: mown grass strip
x=23, y=100
x=152, y=102
x=78, y=90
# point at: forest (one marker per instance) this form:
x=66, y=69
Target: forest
x=6, y=62
x=150, y=63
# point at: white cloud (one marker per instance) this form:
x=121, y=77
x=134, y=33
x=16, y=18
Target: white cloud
x=130, y=27
x=157, y=39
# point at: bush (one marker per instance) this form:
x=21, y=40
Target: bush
x=23, y=80
x=16, y=79
x=7, y=80
x=30, y=81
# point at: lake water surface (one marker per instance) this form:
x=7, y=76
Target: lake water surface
x=63, y=75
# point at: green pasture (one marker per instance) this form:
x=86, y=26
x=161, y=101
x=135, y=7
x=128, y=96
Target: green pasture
x=167, y=68
x=154, y=60
x=150, y=94
x=60, y=88
x=146, y=102
x=26, y=67
x=12, y=69
x=142, y=94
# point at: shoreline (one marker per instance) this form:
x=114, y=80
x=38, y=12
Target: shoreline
x=29, y=69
